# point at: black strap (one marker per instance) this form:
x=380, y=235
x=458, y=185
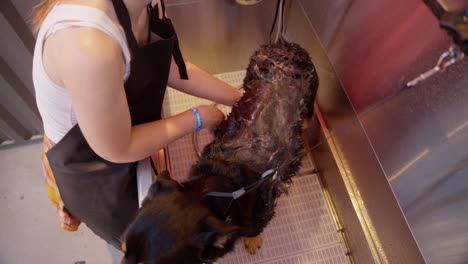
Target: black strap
x=179, y=60
x=163, y=7
x=150, y=17
x=163, y=10
x=124, y=19
x=240, y=192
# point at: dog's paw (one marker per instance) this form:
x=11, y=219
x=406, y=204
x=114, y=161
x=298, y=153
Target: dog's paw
x=253, y=244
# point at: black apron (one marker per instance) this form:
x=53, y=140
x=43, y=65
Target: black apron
x=100, y=193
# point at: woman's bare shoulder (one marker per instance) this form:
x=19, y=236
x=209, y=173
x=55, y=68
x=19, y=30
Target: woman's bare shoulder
x=82, y=48
x=79, y=46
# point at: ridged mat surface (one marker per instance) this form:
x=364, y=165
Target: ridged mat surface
x=302, y=230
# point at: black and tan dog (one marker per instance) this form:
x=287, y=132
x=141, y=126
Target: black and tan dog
x=232, y=190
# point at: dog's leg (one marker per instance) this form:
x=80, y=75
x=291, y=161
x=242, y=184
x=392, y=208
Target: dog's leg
x=253, y=244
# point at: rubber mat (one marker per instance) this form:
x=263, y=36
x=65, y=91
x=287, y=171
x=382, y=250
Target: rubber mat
x=302, y=231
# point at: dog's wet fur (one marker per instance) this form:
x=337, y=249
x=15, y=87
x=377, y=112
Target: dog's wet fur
x=179, y=223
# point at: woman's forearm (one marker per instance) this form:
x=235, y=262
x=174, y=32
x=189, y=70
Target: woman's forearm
x=146, y=139
x=202, y=84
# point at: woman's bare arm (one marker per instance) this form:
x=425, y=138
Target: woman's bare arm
x=202, y=84
x=89, y=64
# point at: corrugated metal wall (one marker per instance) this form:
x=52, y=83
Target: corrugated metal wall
x=19, y=117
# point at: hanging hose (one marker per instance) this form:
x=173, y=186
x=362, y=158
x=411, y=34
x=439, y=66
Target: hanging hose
x=278, y=22
x=196, y=146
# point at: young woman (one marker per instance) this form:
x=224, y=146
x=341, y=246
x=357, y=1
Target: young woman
x=100, y=71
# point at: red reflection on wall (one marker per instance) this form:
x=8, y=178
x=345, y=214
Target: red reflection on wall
x=378, y=50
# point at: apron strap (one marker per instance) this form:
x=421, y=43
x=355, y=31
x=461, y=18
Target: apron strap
x=159, y=4
x=179, y=60
x=176, y=53
x=124, y=19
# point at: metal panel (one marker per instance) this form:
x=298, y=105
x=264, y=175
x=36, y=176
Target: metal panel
x=326, y=17
x=220, y=36
x=416, y=140
x=18, y=23
x=385, y=229
x=19, y=116
x=421, y=140
x=10, y=129
x=17, y=98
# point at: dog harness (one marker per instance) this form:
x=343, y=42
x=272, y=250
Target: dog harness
x=242, y=191
x=239, y=193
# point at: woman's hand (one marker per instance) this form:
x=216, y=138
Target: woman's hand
x=204, y=85
x=211, y=115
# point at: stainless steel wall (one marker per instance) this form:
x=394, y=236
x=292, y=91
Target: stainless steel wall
x=219, y=36
x=414, y=143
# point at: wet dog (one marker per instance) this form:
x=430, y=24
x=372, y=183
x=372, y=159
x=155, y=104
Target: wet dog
x=232, y=190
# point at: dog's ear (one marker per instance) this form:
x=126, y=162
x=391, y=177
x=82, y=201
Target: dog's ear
x=216, y=235
x=128, y=260
x=162, y=184
x=164, y=175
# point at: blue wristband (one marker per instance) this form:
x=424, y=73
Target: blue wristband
x=198, y=119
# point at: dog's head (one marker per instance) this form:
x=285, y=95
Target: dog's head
x=174, y=226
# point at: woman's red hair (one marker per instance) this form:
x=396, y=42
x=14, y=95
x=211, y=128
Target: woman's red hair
x=40, y=11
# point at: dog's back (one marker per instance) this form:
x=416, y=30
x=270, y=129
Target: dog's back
x=264, y=128
x=263, y=132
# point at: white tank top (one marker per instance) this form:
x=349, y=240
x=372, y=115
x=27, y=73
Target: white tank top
x=53, y=101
